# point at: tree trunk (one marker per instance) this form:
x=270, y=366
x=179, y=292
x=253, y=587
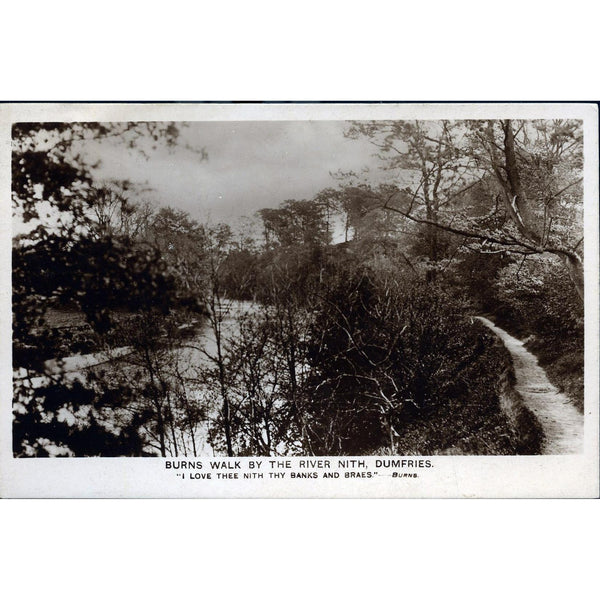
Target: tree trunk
x=574, y=265
x=224, y=395
x=519, y=207
x=431, y=234
x=522, y=215
x=160, y=424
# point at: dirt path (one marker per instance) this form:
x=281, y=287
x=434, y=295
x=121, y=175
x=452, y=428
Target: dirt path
x=561, y=421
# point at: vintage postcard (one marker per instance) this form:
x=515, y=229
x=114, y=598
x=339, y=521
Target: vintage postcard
x=299, y=300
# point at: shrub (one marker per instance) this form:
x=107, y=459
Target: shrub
x=399, y=368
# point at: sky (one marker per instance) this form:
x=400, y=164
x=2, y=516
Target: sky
x=250, y=165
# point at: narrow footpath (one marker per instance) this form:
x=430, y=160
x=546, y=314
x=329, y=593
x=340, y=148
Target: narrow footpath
x=561, y=421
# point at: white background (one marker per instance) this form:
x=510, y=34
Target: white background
x=303, y=51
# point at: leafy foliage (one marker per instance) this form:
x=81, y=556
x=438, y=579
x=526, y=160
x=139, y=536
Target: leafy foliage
x=72, y=260
x=387, y=357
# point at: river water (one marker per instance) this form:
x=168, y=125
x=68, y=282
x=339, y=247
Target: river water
x=194, y=354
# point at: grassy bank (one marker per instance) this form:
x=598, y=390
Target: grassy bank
x=488, y=418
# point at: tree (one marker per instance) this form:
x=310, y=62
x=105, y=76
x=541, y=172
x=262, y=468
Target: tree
x=183, y=243
x=532, y=171
x=263, y=412
x=296, y=222
x=431, y=171
x=157, y=372
x=113, y=213
x=537, y=166
x=219, y=307
x=70, y=256
x=329, y=202
x=49, y=165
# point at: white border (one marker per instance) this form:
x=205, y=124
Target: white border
x=543, y=476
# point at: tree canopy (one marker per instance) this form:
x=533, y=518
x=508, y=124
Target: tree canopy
x=503, y=186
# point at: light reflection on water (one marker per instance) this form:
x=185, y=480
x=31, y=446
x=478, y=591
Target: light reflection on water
x=190, y=359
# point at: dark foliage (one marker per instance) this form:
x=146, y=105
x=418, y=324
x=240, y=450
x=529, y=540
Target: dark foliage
x=44, y=421
x=386, y=362
x=541, y=306
x=402, y=369
x=65, y=262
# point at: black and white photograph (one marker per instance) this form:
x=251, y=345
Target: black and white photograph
x=275, y=288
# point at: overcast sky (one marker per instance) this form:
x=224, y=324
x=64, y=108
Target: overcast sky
x=250, y=165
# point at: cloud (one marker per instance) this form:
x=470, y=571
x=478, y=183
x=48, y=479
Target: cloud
x=251, y=164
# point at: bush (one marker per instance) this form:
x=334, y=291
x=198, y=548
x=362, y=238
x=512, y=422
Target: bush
x=401, y=369
x=542, y=305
